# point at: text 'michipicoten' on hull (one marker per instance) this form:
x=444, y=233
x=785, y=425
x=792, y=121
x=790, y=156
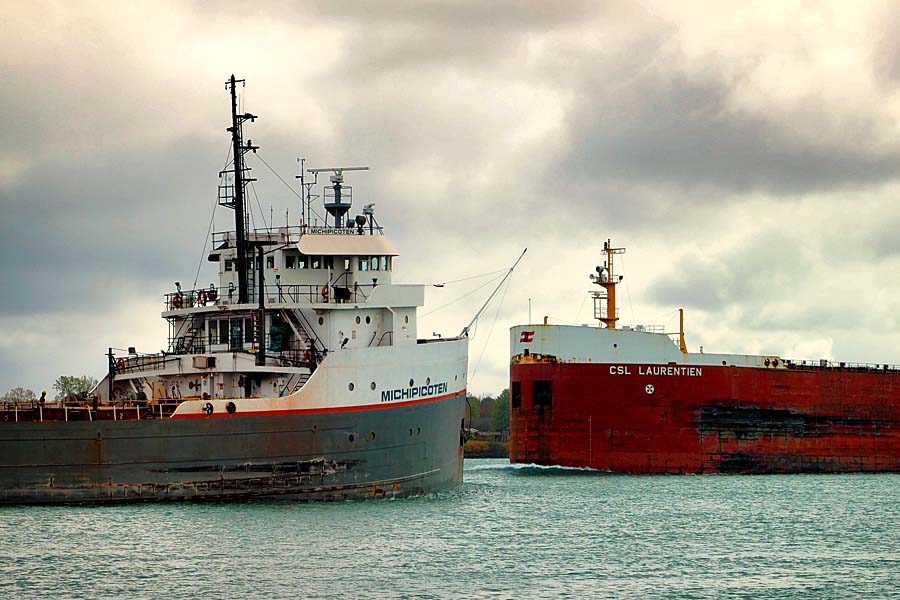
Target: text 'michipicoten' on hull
x=298, y=375
x=629, y=400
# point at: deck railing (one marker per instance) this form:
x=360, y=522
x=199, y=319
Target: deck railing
x=835, y=365
x=275, y=294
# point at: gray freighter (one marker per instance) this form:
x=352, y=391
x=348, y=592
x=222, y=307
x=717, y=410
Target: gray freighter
x=299, y=375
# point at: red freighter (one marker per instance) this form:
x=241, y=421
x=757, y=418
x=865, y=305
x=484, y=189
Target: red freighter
x=630, y=400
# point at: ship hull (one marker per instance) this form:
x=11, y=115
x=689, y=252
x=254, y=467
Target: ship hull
x=389, y=451
x=681, y=417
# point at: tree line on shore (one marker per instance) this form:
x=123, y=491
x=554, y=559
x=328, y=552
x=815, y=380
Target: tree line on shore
x=488, y=413
x=64, y=386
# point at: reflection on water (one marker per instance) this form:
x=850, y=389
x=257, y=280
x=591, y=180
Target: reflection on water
x=512, y=531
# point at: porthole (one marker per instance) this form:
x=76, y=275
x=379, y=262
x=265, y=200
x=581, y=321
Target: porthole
x=350, y=387
x=321, y=320
x=372, y=385
x=615, y=345
x=371, y=436
x=406, y=319
x=368, y=319
x=357, y=319
x=352, y=437
x=428, y=381
x=410, y=432
x=455, y=377
x=412, y=383
x=418, y=430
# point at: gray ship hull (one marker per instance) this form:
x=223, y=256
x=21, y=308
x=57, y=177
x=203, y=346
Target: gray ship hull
x=398, y=450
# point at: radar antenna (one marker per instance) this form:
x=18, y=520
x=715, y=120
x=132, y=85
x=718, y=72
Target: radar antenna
x=605, y=301
x=334, y=201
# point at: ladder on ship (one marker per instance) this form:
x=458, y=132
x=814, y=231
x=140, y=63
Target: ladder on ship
x=294, y=383
x=297, y=327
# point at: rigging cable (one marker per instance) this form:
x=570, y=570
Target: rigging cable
x=580, y=308
x=494, y=322
x=627, y=292
x=485, y=284
x=209, y=229
x=262, y=215
x=443, y=283
x=286, y=184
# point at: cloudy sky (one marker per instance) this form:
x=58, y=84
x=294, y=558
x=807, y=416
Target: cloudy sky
x=746, y=154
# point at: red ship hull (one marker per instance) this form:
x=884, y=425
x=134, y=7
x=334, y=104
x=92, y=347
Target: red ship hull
x=638, y=418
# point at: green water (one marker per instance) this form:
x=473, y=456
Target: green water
x=509, y=532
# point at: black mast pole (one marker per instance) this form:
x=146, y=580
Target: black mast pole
x=261, y=325
x=238, y=150
x=110, y=374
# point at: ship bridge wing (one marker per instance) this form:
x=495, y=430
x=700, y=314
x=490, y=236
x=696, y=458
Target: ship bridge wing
x=345, y=245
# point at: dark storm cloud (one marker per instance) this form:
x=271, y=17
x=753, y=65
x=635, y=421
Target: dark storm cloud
x=390, y=36
x=800, y=317
x=670, y=130
x=78, y=230
x=768, y=268
x=489, y=18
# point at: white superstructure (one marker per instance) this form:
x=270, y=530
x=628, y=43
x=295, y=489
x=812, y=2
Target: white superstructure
x=302, y=316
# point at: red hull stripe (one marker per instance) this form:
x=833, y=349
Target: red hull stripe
x=334, y=409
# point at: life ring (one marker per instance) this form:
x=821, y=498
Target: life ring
x=176, y=300
x=231, y=408
x=201, y=298
x=208, y=408
x=120, y=364
x=325, y=293
x=307, y=356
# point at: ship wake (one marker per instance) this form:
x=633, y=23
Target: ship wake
x=532, y=469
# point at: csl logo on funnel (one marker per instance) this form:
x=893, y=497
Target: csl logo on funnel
x=527, y=337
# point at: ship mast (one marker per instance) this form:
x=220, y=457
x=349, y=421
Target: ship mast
x=605, y=301
x=236, y=199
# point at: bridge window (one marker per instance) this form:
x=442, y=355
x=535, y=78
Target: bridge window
x=290, y=261
x=374, y=263
x=301, y=262
x=384, y=263
x=315, y=262
x=542, y=394
x=515, y=396
x=329, y=262
x=270, y=262
x=229, y=264
x=364, y=264
x=218, y=331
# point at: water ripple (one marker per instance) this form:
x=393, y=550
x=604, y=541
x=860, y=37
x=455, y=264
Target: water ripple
x=511, y=531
